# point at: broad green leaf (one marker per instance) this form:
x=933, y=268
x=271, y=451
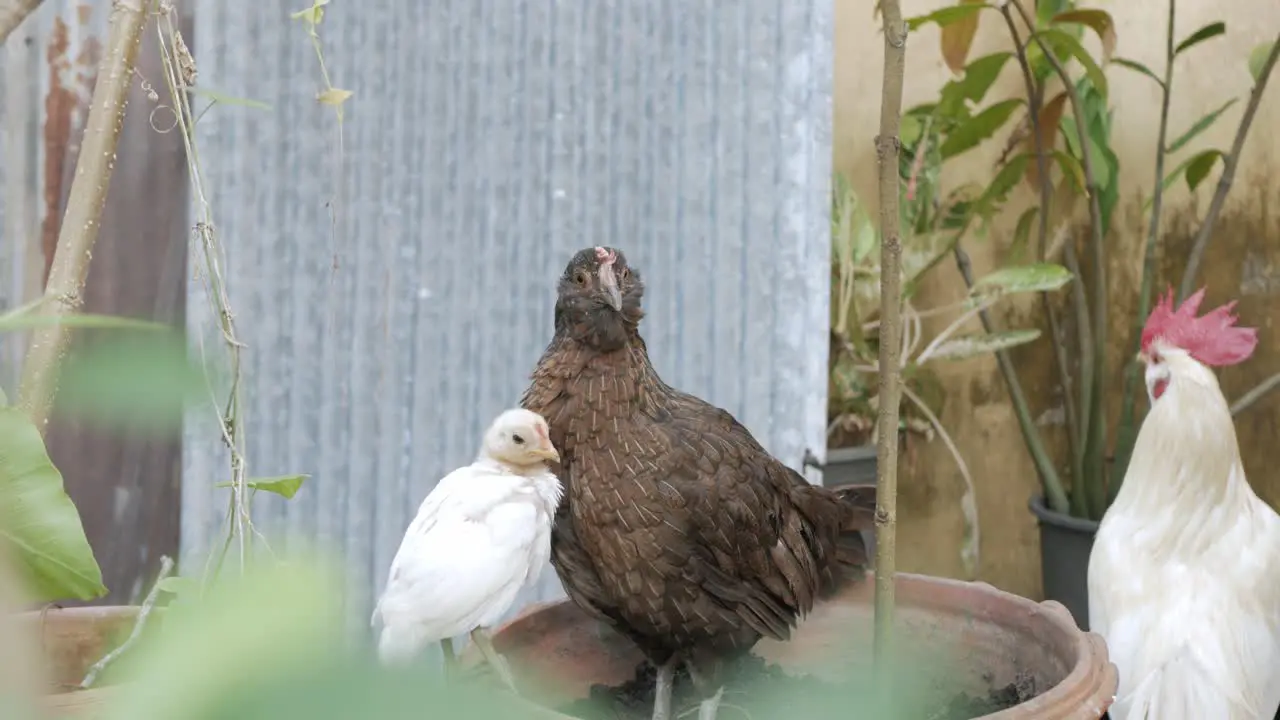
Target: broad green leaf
x=135, y=380
x=1072, y=47
x=1138, y=68
x=1200, y=126
x=1211, y=30
x=1199, y=166
x=224, y=99
x=285, y=486
x=1258, y=59
x=944, y=16
x=1046, y=9
x=27, y=320
x=1002, y=183
x=1099, y=21
x=38, y=519
x=1021, y=242
x=979, y=76
x=981, y=344
x=978, y=128
x=1036, y=277
x=313, y=15
x=957, y=38
x=1181, y=170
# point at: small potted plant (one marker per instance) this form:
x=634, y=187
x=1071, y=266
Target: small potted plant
x=1061, y=151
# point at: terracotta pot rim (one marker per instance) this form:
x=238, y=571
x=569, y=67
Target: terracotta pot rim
x=1086, y=691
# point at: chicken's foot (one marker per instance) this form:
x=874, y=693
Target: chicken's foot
x=707, y=708
x=662, y=685
x=450, y=659
x=499, y=663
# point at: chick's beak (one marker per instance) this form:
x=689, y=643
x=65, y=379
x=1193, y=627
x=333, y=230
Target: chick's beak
x=609, y=284
x=546, y=452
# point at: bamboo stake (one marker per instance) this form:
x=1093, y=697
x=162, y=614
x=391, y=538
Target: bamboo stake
x=888, y=148
x=65, y=288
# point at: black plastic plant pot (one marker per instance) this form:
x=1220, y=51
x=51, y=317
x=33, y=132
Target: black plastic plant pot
x=1065, y=544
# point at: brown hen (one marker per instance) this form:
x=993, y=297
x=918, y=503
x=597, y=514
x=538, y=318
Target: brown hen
x=677, y=528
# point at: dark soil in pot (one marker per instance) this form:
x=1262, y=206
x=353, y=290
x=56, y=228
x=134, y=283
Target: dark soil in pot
x=764, y=691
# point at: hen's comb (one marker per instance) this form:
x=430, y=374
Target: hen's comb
x=606, y=256
x=1213, y=338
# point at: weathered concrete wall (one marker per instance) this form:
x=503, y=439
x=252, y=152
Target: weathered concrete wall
x=1243, y=260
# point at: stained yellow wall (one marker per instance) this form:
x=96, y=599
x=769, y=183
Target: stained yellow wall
x=1243, y=260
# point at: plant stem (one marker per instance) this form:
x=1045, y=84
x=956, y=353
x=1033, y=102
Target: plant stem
x=144, y=613
x=1228, y=174
x=1054, y=493
x=1095, y=439
x=79, y=228
x=888, y=149
x=12, y=13
x=1256, y=394
x=1035, y=99
x=1127, y=432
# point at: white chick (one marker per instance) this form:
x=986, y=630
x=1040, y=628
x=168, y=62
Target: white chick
x=480, y=536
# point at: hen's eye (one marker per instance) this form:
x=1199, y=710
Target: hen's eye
x=580, y=277
x=519, y=440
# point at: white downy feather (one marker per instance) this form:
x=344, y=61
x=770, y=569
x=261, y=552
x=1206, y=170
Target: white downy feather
x=1184, y=578
x=481, y=535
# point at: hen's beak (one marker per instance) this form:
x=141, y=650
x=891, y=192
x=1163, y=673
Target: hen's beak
x=609, y=284
x=547, y=452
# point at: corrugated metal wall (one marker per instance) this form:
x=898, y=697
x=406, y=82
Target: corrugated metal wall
x=396, y=289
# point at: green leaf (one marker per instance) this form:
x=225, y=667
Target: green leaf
x=137, y=380
x=1200, y=126
x=31, y=319
x=1180, y=171
x=978, y=128
x=285, y=486
x=1099, y=21
x=978, y=78
x=1258, y=58
x=1138, y=68
x=968, y=346
x=178, y=585
x=224, y=99
x=944, y=16
x=313, y=15
x=38, y=518
x=1071, y=168
x=1036, y=277
x=1199, y=166
x=1022, y=234
x=1071, y=46
x=1002, y=183
x=1208, y=31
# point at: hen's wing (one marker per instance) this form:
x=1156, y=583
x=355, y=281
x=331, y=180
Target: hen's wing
x=461, y=562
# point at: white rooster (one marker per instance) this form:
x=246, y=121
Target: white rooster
x=480, y=536
x=1184, y=578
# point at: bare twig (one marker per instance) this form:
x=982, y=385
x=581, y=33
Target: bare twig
x=1127, y=432
x=1257, y=393
x=1095, y=417
x=1229, y=164
x=888, y=149
x=79, y=229
x=1035, y=100
x=12, y=13
x=144, y=613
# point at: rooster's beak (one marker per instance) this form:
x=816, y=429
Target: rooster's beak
x=547, y=453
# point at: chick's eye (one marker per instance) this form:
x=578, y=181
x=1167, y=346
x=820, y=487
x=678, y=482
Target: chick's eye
x=624, y=274
x=519, y=440
x=580, y=277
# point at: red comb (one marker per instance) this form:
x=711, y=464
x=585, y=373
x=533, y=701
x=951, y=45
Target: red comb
x=606, y=256
x=1213, y=338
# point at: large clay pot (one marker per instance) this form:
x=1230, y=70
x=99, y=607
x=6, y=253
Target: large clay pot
x=559, y=652
x=72, y=640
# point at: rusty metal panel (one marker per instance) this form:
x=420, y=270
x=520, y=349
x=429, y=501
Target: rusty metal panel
x=126, y=486
x=395, y=289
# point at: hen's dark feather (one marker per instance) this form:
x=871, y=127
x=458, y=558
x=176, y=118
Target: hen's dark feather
x=677, y=527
